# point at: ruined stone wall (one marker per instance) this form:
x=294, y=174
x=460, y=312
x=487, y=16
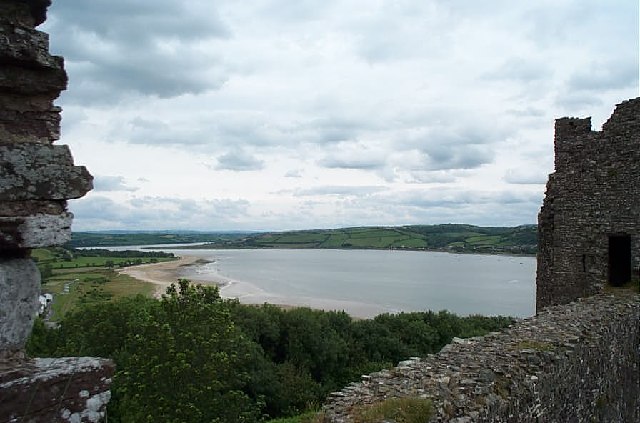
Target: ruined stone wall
x=577, y=362
x=578, y=359
x=36, y=179
x=593, y=193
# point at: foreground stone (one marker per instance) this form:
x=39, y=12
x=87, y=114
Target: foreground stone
x=70, y=389
x=19, y=290
x=578, y=362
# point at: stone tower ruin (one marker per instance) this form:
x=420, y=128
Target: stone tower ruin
x=589, y=224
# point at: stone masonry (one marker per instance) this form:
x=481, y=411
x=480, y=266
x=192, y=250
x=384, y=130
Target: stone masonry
x=577, y=362
x=578, y=359
x=589, y=224
x=36, y=179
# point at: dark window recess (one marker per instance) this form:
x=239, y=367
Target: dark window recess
x=619, y=259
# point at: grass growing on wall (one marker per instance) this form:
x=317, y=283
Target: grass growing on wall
x=398, y=410
x=311, y=417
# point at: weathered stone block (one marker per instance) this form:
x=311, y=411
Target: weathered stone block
x=70, y=389
x=27, y=47
x=31, y=207
x=41, y=172
x=35, y=231
x=19, y=290
x=18, y=12
x=18, y=79
x=41, y=127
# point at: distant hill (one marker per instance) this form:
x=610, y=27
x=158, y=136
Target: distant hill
x=124, y=238
x=449, y=237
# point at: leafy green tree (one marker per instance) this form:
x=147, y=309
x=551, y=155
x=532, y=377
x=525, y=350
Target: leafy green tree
x=194, y=357
x=187, y=363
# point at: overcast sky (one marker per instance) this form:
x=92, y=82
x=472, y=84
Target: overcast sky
x=278, y=114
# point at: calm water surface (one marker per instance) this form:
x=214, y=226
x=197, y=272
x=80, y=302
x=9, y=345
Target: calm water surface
x=368, y=282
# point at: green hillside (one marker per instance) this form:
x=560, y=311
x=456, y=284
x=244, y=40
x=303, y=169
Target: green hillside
x=124, y=238
x=457, y=238
x=450, y=237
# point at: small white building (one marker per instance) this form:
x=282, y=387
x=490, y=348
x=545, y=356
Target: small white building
x=45, y=301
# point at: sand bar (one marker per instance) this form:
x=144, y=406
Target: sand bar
x=165, y=273
x=161, y=274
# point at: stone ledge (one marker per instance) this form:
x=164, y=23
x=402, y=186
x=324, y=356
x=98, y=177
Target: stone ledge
x=69, y=389
x=28, y=81
x=36, y=231
x=30, y=126
x=26, y=47
x=41, y=172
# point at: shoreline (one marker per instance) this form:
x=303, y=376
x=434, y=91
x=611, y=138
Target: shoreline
x=162, y=274
x=165, y=273
x=423, y=250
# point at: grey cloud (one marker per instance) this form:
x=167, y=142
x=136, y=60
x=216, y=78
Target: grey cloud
x=423, y=177
x=444, y=156
x=118, y=47
x=605, y=76
x=578, y=102
x=448, y=197
x=456, y=145
x=440, y=205
x=354, y=155
x=293, y=173
x=519, y=69
x=111, y=183
x=238, y=160
x=352, y=162
x=339, y=190
x=525, y=177
x=506, y=207
x=97, y=212
x=332, y=129
x=409, y=30
x=156, y=132
x=527, y=112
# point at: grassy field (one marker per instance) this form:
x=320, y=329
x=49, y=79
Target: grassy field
x=455, y=238
x=119, y=238
x=450, y=237
x=86, y=279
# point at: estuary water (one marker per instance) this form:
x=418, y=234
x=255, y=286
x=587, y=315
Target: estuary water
x=365, y=283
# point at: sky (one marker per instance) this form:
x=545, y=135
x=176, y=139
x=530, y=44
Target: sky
x=280, y=115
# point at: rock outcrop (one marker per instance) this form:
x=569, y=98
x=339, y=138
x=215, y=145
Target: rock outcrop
x=36, y=179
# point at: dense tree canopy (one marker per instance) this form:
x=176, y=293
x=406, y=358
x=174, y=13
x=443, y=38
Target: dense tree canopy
x=194, y=357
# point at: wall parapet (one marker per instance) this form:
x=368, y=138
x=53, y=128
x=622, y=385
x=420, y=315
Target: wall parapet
x=574, y=362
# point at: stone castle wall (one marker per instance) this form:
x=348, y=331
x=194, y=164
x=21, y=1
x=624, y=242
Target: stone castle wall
x=578, y=359
x=593, y=194
x=36, y=178
x=572, y=362
x=577, y=362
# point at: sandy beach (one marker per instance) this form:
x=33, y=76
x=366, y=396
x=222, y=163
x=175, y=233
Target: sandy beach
x=165, y=273
x=161, y=274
